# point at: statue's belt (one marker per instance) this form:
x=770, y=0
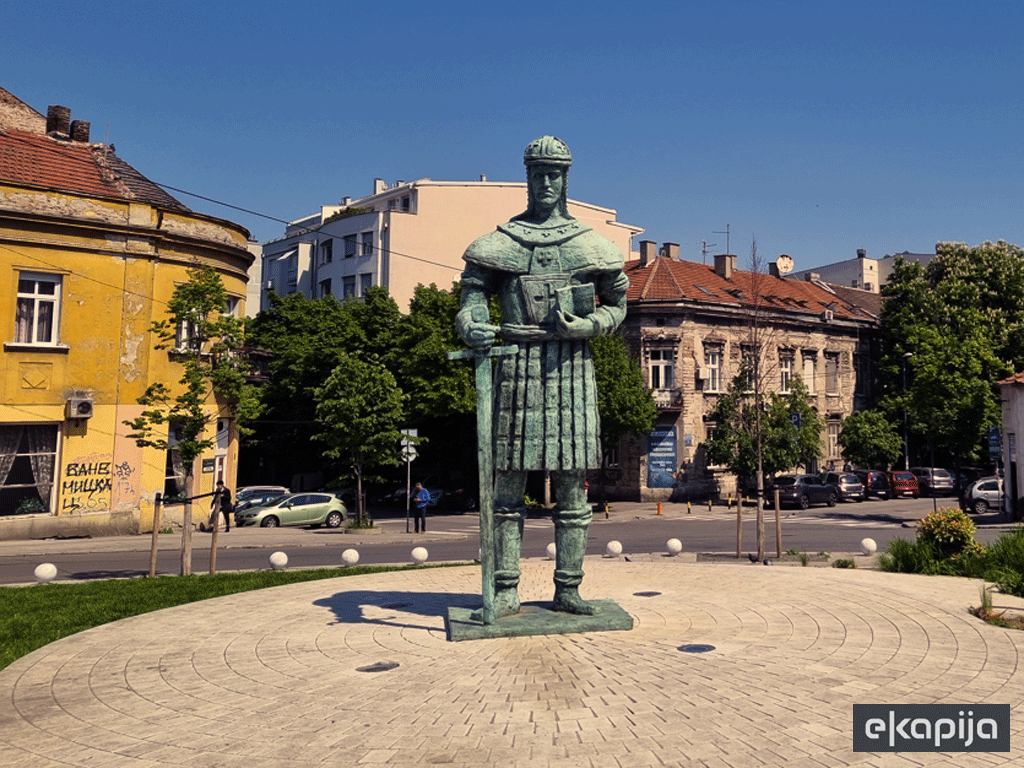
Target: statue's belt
x=528, y=333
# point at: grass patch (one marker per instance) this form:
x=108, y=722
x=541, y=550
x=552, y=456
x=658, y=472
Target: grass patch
x=31, y=617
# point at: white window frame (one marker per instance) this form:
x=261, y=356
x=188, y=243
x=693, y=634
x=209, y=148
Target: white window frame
x=366, y=244
x=30, y=301
x=785, y=372
x=832, y=431
x=348, y=287
x=661, y=368
x=713, y=367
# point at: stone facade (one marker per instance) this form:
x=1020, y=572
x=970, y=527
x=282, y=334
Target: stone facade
x=691, y=325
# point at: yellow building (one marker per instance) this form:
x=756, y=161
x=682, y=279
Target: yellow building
x=90, y=254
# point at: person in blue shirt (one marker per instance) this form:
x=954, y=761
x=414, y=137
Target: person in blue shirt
x=420, y=500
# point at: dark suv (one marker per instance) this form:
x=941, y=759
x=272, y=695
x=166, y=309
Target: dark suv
x=875, y=483
x=801, y=491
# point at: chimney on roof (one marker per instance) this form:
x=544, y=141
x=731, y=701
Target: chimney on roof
x=811, y=277
x=80, y=130
x=346, y=200
x=773, y=269
x=483, y=177
x=725, y=263
x=58, y=121
x=647, y=252
x=379, y=185
x=861, y=253
x=671, y=250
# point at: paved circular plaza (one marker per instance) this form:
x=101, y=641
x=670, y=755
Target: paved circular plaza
x=358, y=671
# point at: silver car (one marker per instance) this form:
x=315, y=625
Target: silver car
x=983, y=495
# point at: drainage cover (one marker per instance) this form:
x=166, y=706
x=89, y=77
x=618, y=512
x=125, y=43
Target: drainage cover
x=380, y=666
x=646, y=594
x=696, y=648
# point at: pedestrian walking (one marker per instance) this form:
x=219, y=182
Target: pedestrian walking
x=420, y=500
x=221, y=506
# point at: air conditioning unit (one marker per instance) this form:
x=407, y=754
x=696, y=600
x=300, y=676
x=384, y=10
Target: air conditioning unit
x=78, y=407
x=827, y=315
x=703, y=373
x=269, y=285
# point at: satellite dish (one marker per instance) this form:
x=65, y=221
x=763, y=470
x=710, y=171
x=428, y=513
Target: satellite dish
x=784, y=264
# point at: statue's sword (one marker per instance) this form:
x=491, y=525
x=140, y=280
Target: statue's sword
x=485, y=459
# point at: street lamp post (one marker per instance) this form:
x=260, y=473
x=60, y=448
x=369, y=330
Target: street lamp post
x=906, y=442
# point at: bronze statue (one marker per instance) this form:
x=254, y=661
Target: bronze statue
x=558, y=283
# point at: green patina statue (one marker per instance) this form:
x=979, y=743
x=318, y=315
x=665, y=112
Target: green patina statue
x=558, y=283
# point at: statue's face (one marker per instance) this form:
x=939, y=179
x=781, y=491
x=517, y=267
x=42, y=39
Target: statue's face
x=546, y=185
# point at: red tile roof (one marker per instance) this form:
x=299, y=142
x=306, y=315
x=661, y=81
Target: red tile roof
x=665, y=279
x=75, y=167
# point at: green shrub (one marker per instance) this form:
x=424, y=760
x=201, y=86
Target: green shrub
x=1006, y=562
x=950, y=531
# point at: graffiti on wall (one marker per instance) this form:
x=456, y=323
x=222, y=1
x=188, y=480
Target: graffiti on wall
x=87, y=483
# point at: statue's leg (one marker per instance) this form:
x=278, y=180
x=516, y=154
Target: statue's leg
x=572, y=517
x=509, y=511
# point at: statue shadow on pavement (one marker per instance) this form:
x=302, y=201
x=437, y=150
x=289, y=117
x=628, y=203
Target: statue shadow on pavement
x=394, y=608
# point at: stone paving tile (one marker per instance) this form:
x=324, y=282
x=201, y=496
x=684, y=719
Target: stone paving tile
x=271, y=678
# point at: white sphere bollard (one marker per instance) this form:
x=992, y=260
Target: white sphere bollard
x=868, y=546
x=614, y=548
x=675, y=546
x=45, y=573
x=278, y=560
x=552, y=550
x=350, y=557
x=419, y=555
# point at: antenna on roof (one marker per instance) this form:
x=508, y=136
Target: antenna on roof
x=726, y=233
x=704, y=250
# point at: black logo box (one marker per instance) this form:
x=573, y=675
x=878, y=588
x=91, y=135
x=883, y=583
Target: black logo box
x=931, y=727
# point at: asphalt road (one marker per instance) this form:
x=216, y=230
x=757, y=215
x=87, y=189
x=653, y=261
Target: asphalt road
x=454, y=537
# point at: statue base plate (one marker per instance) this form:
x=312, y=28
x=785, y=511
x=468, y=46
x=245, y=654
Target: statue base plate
x=535, y=619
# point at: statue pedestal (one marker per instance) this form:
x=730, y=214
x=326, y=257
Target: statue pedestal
x=536, y=619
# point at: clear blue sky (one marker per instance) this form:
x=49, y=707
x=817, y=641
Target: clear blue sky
x=815, y=127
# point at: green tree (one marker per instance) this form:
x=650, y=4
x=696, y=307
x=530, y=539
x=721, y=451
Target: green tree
x=207, y=343
x=954, y=328
x=306, y=340
x=359, y=413
x=624, y=404
x=783, y=445
x=868, y=439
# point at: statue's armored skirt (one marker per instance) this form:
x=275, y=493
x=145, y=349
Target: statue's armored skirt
x=546, y=408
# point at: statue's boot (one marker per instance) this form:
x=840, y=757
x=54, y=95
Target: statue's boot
x=508, y=540
x=571, y=545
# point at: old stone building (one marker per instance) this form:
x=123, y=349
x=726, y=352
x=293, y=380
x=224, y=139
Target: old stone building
x=691, y=325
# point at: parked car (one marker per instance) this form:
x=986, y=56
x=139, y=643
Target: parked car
x=903, y=483
x=252, y=495
x=801, y=491
x=459, y=497
x=875, y=483
x=313, y=509
x=847, y=485
x=933, y=481
x=983, y=495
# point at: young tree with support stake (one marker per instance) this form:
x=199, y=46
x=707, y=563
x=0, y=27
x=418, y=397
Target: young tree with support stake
x=207, y=343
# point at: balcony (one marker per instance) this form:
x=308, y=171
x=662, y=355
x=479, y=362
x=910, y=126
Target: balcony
x=668, y=399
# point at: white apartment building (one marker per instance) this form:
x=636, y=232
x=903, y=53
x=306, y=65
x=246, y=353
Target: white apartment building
x=403, y=235
x=864, y=273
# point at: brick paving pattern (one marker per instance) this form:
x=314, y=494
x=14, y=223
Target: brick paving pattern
x=272, y=678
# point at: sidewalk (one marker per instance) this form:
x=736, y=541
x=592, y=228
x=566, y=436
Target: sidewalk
x=358, y=671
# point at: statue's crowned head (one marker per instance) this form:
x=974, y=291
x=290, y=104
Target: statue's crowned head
x=544, y=155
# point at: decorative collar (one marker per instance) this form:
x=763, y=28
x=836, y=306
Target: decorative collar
x=533, y=234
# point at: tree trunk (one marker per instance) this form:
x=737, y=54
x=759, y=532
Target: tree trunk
x=186, y=528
